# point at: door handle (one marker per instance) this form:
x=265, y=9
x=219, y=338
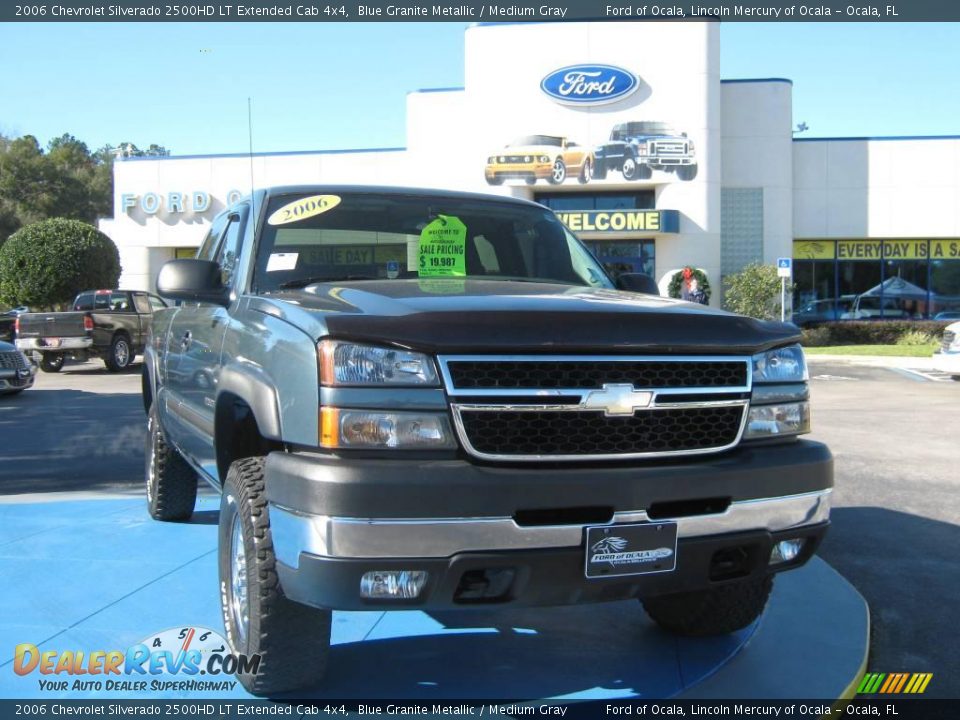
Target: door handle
x=187, y=339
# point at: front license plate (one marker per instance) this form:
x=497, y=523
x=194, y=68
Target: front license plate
x=51, y=342
x=640, y=549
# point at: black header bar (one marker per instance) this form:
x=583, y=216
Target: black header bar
x=480, y=12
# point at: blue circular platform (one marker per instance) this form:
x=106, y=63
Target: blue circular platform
x=99, y=574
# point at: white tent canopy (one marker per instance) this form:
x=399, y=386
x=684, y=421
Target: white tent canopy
x=896, y=287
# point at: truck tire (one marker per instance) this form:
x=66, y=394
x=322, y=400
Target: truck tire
x=292, y=640
x=120, y=354
x=687, y=172
x=51, y=362
x=717, y=611
x=171, y=482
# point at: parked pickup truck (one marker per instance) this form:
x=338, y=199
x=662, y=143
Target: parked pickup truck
x=418, y=399
x=109, y=324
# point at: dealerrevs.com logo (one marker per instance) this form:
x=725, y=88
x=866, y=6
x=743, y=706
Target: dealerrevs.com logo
x=178, y=659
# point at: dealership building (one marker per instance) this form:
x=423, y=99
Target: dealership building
x=629, y=133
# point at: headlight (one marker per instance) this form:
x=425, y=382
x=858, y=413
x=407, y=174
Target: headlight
x=777, y=420
x=377, y=429
x=544, y=158
x=782, y=365
x=344, y=363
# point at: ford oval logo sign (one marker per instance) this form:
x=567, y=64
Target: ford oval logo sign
x=589, y=84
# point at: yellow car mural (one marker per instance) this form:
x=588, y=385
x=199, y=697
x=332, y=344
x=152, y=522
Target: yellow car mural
x=540, y=157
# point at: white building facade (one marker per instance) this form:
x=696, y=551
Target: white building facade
x=628, y=132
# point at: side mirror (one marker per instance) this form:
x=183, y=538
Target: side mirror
x=638, y=283
x=192, y=280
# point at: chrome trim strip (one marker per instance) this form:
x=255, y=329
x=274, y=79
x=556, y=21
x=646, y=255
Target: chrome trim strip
x=67, y=343
x=339, y=537
x=444, y=360
x=468, y=446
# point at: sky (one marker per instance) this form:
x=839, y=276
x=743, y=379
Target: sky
x=318, y=86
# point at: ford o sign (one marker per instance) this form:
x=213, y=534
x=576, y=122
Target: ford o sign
x=589, y=84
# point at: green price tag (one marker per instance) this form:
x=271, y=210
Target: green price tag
x=442, y=250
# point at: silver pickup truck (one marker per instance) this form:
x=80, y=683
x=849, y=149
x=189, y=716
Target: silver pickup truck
x=428, y=400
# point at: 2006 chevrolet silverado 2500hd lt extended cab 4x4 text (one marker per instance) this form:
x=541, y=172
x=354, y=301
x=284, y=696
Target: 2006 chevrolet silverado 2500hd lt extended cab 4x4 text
x=430, y=400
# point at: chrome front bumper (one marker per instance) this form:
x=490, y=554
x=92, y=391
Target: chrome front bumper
x=337, y=537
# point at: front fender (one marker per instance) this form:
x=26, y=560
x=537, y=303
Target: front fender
x=255, y=388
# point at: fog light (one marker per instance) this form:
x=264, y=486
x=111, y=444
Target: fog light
x=398, y=584
x=785, y=551
x=773, y=420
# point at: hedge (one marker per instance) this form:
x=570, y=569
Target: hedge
x=869, y=332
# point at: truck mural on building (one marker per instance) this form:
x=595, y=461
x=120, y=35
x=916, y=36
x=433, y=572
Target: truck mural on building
x=636, y=149
x=553, y=158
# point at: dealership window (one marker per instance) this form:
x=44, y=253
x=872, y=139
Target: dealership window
x=642, y=200
x=905, y=288
x=624, y=256
x=889, y=279
x=617, y=255
x=814, y=296
x=945, y=283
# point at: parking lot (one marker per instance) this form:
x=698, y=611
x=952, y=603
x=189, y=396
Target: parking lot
x=896, y=523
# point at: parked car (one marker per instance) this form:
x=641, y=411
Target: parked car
x=636, y=149
x=488, y=422
x=818, y=311
x=109, y=324
x=540, y=157
x=872, y=307
x=17, y=373
x=947, y=315
x=947, y=359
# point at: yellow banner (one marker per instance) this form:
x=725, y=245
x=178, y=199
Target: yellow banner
x=875, y=249
x=814, y=250
x=859, y=249
x=905, y=249
x=945, y=249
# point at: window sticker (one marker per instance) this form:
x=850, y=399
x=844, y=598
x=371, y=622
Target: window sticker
x=282, y=261
x=303, y=208
x=442, y=248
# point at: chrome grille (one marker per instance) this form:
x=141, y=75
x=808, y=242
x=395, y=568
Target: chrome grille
x=669, y=148
x=13, y=361
x=529, y=408
x=585, y=433
x=537, y=374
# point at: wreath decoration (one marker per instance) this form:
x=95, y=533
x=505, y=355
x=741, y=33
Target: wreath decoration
x=681, y=281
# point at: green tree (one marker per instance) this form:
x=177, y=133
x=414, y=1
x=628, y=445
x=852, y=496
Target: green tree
x=47, y=263
x=67, y=180
x=754, y=291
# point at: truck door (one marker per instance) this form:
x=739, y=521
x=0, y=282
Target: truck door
x=194, y=344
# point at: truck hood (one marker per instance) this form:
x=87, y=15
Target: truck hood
x=485, y=316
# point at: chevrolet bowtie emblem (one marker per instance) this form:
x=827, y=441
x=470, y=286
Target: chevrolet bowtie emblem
x=616, y=400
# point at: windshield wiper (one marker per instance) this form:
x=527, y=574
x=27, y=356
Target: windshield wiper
x=303, y=282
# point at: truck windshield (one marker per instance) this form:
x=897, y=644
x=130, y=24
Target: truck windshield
x=551, y=140
x=361, y=236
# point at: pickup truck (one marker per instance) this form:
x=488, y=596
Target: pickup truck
x=430, y=400
x=109, y=324
x=636, y=149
